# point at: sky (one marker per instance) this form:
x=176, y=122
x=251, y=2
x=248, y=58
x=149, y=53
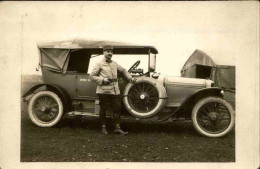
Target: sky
x=176, y=29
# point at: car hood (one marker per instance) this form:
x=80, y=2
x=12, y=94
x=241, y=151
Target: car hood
x=185, y=81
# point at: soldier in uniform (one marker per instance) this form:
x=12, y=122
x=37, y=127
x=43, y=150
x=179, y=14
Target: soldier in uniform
x=104, y=74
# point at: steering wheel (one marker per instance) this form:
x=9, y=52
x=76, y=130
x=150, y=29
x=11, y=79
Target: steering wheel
x=134, y=66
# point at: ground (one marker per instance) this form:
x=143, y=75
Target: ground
x=80, y=139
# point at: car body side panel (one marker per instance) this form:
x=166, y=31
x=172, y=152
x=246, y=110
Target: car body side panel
x=78, y=86
x=179, y=89
x=177, y=94
x=65, y=81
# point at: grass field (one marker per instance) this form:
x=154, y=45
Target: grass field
x=80, y=139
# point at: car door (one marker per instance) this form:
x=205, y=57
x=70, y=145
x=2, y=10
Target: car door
x=85, y=88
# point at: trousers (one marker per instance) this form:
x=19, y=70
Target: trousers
x=106, y=100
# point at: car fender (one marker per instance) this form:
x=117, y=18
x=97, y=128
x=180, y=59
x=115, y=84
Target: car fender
x=54, y=88
x=189, y=102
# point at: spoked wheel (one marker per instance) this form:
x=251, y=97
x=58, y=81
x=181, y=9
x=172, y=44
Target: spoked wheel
x=213, y=117
x=45, y=109
x=144, y=98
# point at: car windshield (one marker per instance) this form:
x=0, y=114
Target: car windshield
x=126, y=61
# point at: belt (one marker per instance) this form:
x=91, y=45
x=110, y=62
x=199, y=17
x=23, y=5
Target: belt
x=112, y=80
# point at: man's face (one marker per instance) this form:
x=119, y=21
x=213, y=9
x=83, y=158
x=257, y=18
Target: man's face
x=108, y=54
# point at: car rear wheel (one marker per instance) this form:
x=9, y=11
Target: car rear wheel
x=213, y=117
x=45, y=109
x=145, y=98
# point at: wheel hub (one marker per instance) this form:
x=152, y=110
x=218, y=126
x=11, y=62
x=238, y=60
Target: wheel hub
x=213, y=116
x=144, y=96
x=43, y=109
x=46, y=110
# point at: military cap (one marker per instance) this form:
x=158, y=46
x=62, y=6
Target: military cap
x=107, y=47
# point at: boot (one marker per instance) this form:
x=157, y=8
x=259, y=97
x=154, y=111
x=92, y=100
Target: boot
x=104, y=130
x=118, y=130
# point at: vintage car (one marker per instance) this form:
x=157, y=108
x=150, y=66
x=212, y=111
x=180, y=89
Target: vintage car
x=68, y=90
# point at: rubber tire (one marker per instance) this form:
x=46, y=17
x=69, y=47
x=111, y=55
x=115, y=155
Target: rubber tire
x=161, y=91
x=207, y=100
x=38, y=122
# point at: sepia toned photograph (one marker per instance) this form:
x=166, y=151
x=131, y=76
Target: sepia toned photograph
x=133, y=84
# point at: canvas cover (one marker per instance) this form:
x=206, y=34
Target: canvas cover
x=54, y=59
x=222, y=75
x=91, y=44
x=191, y=72
x=55, y=54
x=200, y=58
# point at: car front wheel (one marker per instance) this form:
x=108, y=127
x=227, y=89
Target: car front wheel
x=45, y=109
x=213, y=117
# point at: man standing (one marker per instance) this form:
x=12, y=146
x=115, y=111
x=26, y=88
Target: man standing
x=104, y=74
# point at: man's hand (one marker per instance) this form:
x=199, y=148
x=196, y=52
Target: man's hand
x=106, y=81
x=133, y=80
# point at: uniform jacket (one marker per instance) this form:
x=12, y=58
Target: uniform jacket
x=103, y=70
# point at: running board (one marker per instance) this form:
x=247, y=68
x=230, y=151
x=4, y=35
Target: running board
x=83, y=113
x=79, y=113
